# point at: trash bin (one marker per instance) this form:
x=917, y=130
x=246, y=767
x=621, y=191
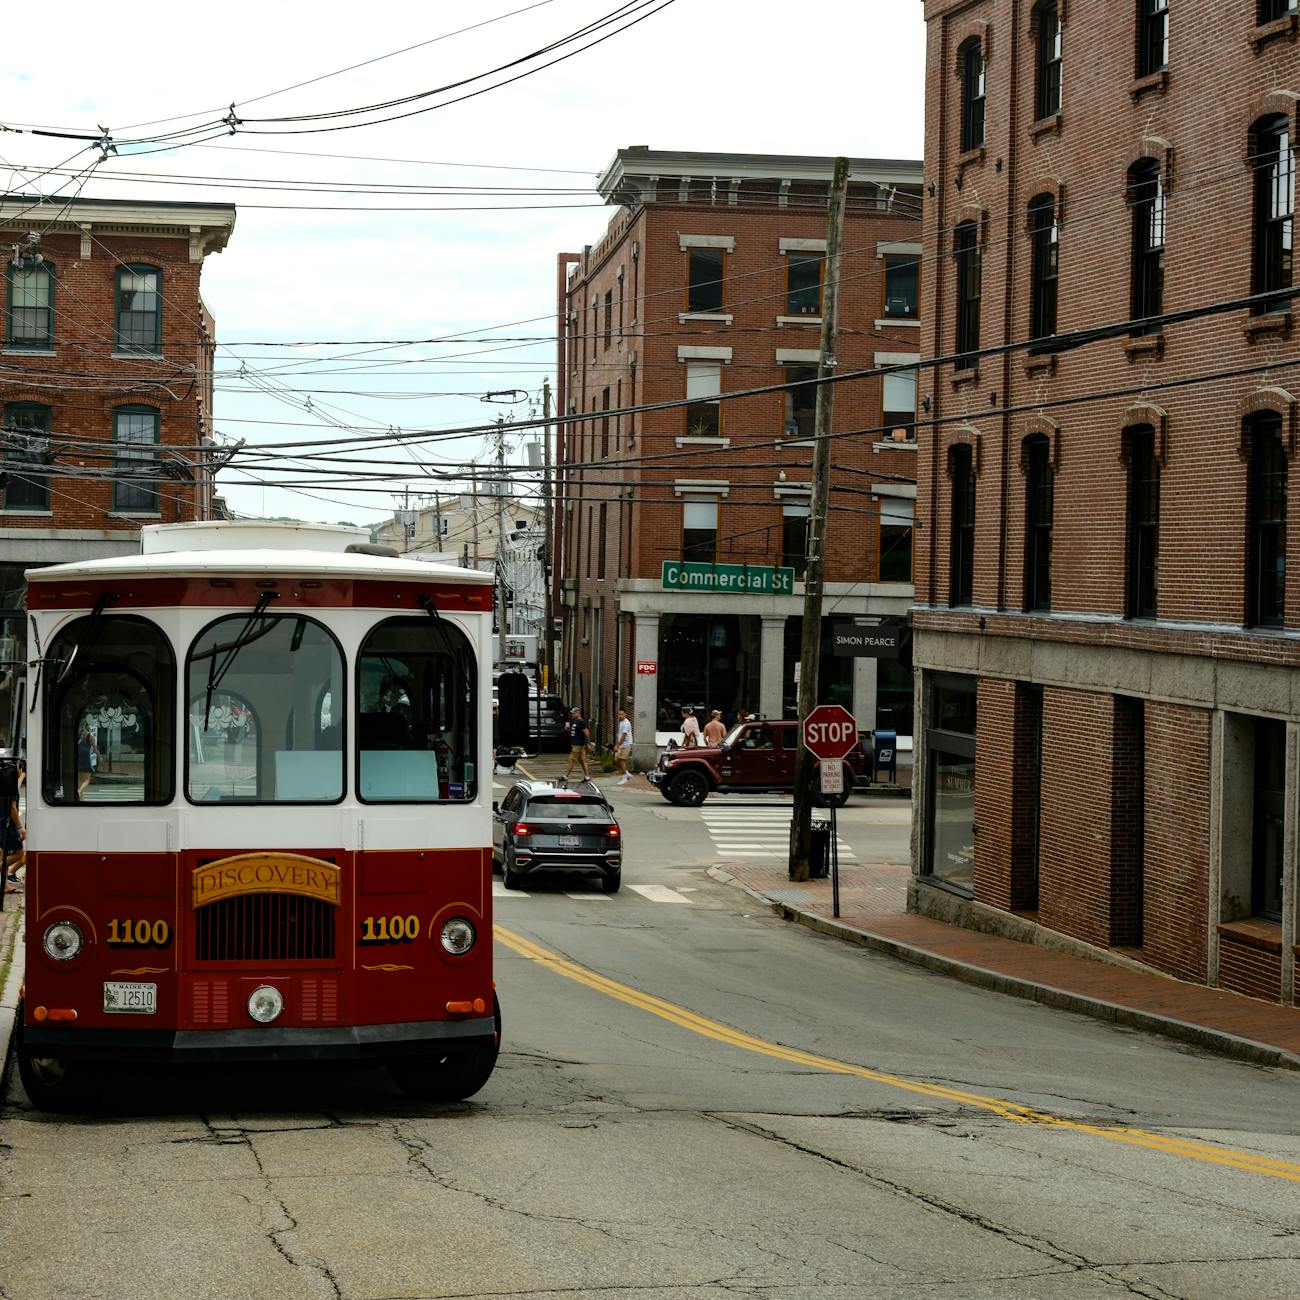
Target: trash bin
x=819, y=850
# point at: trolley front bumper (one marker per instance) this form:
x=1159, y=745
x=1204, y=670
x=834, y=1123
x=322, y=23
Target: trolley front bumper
x=375, y=1044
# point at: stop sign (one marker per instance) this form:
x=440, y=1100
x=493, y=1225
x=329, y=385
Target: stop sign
x=830, y=731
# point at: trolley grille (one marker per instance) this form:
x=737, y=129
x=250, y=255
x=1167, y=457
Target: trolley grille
x=265, y=927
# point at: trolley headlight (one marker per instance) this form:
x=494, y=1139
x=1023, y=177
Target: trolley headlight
x=458, y=936
x=265, y=1003
x=62, y=941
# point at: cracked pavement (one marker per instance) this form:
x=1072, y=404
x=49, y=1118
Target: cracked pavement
x=614, y=1155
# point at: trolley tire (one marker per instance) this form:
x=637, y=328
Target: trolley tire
x=610, y=884
x=452, y=1077
x=688, y=789
x=51, y=1084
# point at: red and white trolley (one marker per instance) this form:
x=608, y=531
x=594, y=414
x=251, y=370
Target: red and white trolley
x=259, y=803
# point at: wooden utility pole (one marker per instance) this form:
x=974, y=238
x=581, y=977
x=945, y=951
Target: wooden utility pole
x=500, y=564
x=547, y=640
x=810, y=648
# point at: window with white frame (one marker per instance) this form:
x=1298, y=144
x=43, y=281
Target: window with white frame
x=703, y=407
x=700, y=531
x=899, y=414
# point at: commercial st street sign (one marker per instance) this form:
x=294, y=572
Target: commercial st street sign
x=690, y=575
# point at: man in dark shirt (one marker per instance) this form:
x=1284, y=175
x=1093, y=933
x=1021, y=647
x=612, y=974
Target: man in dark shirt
x=579, y=736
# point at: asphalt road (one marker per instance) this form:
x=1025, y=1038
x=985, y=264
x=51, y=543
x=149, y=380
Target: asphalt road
x=695, y=1101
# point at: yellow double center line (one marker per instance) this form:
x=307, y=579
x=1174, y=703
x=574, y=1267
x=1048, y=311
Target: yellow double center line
x=1188, y=1149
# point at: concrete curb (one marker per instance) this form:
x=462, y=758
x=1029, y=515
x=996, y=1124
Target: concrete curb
x=9, y=994
x=1214, y=1040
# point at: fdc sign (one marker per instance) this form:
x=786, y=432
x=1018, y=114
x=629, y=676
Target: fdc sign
x=830, y=731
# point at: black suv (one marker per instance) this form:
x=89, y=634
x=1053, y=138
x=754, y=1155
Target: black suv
x=540, y=826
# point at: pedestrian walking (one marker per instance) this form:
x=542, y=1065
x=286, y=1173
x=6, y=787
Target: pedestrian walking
x=715, y=729
x=690, y=729
x=579, y=743
x=623, y=746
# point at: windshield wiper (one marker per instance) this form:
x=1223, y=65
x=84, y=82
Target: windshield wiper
x=216, y=675
x=96, y=620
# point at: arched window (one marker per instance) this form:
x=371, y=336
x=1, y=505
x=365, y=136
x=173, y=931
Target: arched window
x=31, y=306
x=254, y=704
x=962, y=547
x=1273, y=160
x=1038, y=523
x=972, y=94
x=1047, y=89
x=139, y=309
x=1143, y=521
x=1146, y=195
x=135, y=459
x=1044, y=234
x=1266, y=579
x=966, y=250
x=416, y=740
x=26, y=456
x=110, y=709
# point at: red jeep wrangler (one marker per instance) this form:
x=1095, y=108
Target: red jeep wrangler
x=757, y=756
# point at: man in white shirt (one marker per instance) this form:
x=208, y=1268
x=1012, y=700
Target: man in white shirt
x=623, y=747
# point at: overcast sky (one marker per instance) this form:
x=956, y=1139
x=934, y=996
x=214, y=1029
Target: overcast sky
x=831, y=77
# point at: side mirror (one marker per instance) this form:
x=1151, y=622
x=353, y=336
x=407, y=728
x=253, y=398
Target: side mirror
x=496, y=807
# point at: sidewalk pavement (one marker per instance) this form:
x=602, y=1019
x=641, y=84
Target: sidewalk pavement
x=873, y=913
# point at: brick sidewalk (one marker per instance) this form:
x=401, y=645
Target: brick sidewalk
x=873, y=903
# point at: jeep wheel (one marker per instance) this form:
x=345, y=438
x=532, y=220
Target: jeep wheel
x=688, y=789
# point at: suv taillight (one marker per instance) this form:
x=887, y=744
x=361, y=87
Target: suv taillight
x=523, y=829
x=613, y=831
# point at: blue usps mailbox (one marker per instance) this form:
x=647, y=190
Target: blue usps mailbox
x=884, y=754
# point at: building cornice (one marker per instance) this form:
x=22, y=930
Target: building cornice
x=205, y=226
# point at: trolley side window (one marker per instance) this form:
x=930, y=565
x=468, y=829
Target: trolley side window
x=416, y=713
x=258, y=730
x=109, y=715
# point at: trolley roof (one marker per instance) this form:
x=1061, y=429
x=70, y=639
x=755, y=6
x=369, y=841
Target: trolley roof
x=238, y=548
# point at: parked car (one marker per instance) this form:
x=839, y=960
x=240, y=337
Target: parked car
x=756, y=756
x=541, y=827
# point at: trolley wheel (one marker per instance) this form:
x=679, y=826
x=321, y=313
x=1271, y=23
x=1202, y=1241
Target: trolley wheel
x=51, y=1083
x=688, y=789
x=452, y=1077
x=610, y=884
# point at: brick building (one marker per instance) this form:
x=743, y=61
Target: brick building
x=1105, y=636
x=106, y=361
x=681, y=531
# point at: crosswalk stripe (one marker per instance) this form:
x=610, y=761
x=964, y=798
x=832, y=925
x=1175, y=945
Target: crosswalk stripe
x=659, y=894
x=500, y=891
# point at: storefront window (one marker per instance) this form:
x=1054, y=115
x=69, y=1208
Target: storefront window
x=950, y=778
x=834, y=678
x=894, y=686
x=707, y=662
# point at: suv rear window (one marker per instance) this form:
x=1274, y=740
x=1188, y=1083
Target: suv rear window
x=591, y=810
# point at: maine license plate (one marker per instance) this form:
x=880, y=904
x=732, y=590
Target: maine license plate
x=133, y=999
x=569, y=841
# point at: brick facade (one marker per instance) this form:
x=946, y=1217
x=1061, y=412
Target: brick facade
x=85, y=375
x=629, y=339
x=1137, y=802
